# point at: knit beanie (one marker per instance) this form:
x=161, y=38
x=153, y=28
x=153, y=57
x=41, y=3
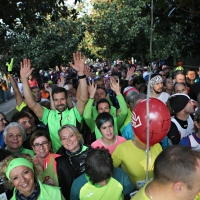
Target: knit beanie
x=178, y=102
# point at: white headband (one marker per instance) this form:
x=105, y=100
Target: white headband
x=155, y=80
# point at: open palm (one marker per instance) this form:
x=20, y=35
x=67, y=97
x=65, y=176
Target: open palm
x=25, y=68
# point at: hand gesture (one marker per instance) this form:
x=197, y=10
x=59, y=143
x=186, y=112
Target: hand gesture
x=25, y=68
x=114, y=85
x=62, y=81
x=87, y=71
x=78, y=63
x=10, y=65
x=130, y=73
x=47, y=87
x=92, y=88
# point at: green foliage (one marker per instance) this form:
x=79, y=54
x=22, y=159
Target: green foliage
x=115, y=26
x=52, y=46
x=122, y=28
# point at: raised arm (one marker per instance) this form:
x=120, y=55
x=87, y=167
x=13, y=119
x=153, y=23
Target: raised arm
x=49, y=89
x=18, y=96
x=79, y=67
x=25, y=72
x=87, y=115
x=123, y=110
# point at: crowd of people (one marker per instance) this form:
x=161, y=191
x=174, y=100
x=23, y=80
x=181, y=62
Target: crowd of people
x=72, y=136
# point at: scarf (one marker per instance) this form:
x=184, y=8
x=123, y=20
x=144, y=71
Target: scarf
x=34, y=195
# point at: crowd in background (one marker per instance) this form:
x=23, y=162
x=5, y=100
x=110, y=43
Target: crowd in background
x=72, y=135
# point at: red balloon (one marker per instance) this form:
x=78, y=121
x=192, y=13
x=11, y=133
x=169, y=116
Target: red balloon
x=159, y=118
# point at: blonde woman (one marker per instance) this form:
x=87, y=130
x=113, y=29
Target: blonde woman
x=20, y=171
x=71, y=163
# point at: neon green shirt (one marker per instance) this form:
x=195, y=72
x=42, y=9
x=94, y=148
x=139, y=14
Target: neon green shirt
x=133, y=161
x=55, y=120
x=90, y=114
x=46, y=192
x=141, y=195
x=92, y=192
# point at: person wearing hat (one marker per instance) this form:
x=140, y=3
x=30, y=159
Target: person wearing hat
x=193, y=140
x=156, y=84
x=182, y=124
x=20, y=172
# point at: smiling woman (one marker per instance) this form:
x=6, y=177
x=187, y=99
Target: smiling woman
x=71, y=163
x=41, y=143
x=14, y=136
x=20, y=171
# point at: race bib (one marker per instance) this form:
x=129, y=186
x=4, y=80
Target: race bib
x=3, y=196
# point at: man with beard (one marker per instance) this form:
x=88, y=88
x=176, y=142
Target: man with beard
x=156, y=84
x=62, y=115
x=182, y=124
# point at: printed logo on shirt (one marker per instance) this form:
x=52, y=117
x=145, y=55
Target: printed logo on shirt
x=68, y=118
x=89, y=195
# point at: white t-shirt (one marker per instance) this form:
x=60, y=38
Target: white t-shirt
x=164, y=96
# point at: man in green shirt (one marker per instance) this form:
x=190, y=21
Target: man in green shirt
x=61, y=116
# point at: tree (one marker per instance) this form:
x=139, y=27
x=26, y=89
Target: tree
x=52, y=46
x=122, y=28
x=31, y=12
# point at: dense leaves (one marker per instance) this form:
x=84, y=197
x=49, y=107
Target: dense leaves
x=52, y=46
x=47, y=31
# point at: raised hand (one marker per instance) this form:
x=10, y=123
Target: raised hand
x=130, y=73
x=87, y=71
x=114, y=85
x=47, y=87
x=78, y=63
x=25, y=68
x=92, y=88
x=10, y=65
x=62, y=81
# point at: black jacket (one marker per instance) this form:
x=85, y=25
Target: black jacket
x=69, y=168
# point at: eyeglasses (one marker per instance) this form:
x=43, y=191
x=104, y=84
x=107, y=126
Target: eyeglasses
x=1, y=120
x=43, y=144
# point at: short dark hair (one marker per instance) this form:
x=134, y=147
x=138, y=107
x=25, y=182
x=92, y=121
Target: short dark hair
x=102, y=101
x=98, y=78
x=19, y=115
x=58, y=90
x=34, y=87
x=138, y=80
x=190, y=69
x=177, y=73
x=29, y=111
x=103, y=88
x=99, y=165
x=39, y=133
x=103, y=118
x=176, y=163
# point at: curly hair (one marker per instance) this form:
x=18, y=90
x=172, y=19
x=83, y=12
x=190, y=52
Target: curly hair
x=4, y=164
